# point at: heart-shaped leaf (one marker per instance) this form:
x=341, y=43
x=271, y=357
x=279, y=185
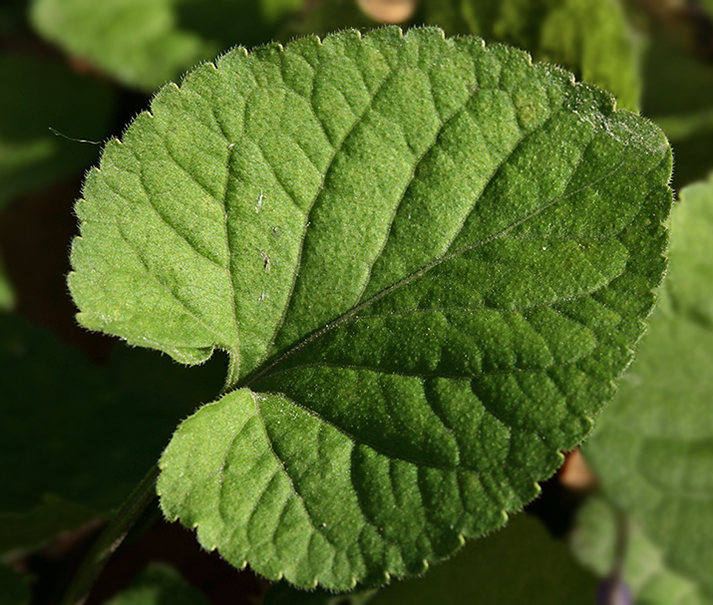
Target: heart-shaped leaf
x=428, y=261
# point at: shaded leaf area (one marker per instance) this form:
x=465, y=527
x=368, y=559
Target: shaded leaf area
x=589, y=37
x=13, y=589
x=159, y=584
x=519, y=564
x=428, y=261
x=82, y=433
x=46, y=520
x=145, y=43
x=645, y=571
x=39, y=95
x=653, y=448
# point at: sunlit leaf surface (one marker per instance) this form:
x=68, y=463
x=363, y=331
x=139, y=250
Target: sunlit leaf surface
x=428, y=261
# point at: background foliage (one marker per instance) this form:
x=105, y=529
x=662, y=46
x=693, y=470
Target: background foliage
x=70, y=444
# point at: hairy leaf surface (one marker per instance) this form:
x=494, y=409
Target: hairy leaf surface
x=589, y=37
x=428, y=261
x=654, y=447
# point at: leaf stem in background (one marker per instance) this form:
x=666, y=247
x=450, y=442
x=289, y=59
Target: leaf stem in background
x=111, y=538
x=613, y=590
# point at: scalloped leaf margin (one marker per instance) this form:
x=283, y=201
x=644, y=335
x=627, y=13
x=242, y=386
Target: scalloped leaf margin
x=428, y=259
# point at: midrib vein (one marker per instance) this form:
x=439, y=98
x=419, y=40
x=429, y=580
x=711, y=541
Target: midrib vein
x=347, y=316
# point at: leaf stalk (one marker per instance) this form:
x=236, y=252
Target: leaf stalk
x=111, y=538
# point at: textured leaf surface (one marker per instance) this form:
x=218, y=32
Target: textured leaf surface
x=589, y=37
x=82, y=432
x=645, y=571
x=36, y=95
x=160, y=585
x=145, y=43
x=519, y=564
x=428, y=261
x=654, y=446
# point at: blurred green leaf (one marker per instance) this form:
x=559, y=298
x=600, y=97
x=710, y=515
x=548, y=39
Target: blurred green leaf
x=82, y=432
x=645, y=572
x=653, y=447
x=159, y=585
x=29, y=529
x=13, y=589
x=589, y=37
x=36, y=96
x=518, y=564
x=678, y=96
x=145, y=43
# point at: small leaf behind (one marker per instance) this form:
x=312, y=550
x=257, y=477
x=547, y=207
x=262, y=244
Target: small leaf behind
x=653, y=448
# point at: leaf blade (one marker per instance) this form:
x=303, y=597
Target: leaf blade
x=433, y=379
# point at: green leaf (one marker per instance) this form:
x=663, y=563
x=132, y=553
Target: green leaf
x=590, y=37
x=645, y=572
x=428, y=261
x=159, y=585
x=13, y=590
x=654, y=446
x=144, y=43
x=84, y=433
x=38, y=96
x=519, y=564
